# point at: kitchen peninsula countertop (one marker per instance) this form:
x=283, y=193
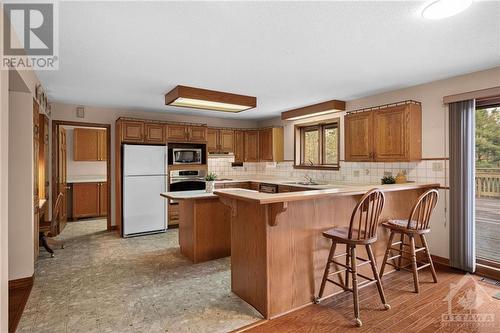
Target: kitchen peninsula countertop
x=86, y=179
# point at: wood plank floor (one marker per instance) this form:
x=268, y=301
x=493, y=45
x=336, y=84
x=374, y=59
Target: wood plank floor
x=409, y=312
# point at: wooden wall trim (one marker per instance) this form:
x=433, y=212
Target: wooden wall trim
x=482, y=93
x=19, y=292
x=440, y=260
x=489, y=272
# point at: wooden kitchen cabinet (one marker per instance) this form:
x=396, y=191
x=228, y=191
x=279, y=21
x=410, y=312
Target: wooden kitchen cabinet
x=271, y=144
x=358, y=136
x=389, y=134
x=90, y=199
x=132, y=131
x=89, y=144
x=220, y=141
x=251, y=146
x=154, y=133
x=176, y=132
x=239, y=145
x=197, y=133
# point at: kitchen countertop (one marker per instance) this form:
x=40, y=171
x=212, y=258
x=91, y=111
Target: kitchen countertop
x=188, y=195
x=86, y=179
x=333, y=190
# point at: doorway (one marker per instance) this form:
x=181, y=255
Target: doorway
x=487, y=178
x=81, y=170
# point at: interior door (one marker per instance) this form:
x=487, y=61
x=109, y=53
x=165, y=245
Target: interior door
x=62, y=185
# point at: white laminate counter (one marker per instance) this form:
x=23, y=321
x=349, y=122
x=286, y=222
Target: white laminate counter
x=86, y=179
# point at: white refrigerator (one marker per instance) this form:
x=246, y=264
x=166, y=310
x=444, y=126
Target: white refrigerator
x=144, y=178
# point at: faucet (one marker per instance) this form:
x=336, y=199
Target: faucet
x=308, y=178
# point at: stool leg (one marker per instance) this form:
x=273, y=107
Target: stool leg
x=325, y=274
x=387, y=253
x=373, y=265
x=347, y=256
x=414, y=262
x=401, y=246
x=355, y=285
x=433, y=271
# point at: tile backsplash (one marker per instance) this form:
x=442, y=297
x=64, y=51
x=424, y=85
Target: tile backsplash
x=435, y=171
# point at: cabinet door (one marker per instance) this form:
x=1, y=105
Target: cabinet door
x=85, y=199
x=266, y=144
x=239, y=146
x=102, y=145
x=85, y=144
x=103, y=199
x=197, y=133
x=226, y=141
x=132, y=131
x=358, y=137
x=154, y=133
x=251, y=146
x=176, y=133
x=212, y=140
x=390, y=134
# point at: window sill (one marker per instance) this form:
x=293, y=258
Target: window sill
x=316, y=167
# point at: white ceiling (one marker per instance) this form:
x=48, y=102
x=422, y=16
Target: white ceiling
x=287, y=54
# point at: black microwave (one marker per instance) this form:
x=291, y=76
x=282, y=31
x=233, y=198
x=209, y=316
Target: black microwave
x=186, y=156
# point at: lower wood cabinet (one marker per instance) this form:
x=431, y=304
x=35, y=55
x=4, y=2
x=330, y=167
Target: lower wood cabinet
x=90, y=200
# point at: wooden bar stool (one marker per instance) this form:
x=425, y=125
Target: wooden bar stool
x=417, y=225
x=51, y=227
x=362, y=231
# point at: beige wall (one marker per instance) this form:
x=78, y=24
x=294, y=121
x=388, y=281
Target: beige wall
x=67, y=112
x=434, y=136
x=21, y=230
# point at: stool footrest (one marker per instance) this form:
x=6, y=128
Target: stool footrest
x=366, y=277
x=337, y=272
x=366, y=284
x=339, y=255
x=337, y=284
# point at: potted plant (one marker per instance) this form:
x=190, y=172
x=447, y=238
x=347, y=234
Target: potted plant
x=210, y=181
x=388, y=180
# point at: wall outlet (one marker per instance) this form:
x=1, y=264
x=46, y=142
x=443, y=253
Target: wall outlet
x=437, y=166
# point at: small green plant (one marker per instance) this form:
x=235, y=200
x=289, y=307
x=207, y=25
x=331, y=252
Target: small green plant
x=211, y=177
x=388, y=180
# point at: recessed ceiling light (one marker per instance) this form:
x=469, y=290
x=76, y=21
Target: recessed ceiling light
x=439, y=9
x=197, y=98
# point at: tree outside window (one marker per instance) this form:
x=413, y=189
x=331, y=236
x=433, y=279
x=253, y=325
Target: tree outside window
x=319, y=145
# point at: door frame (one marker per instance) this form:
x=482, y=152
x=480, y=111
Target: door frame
x=55, y=147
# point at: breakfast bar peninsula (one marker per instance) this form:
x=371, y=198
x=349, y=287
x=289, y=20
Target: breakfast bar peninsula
x=278, y=253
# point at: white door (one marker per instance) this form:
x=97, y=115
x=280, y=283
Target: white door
x=144, y=210
x=144, y=160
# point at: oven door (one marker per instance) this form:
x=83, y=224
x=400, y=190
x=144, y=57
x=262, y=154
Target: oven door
x=186, y=185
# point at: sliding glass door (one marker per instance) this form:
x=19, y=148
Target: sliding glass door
x=488, y=186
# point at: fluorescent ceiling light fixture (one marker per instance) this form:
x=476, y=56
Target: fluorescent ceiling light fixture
x=439, y=9
x=196, y=98
x=314, y=110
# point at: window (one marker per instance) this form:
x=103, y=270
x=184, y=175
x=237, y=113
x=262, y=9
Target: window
x=319, y=145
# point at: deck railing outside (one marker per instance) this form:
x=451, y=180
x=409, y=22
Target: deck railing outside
x=488, y=183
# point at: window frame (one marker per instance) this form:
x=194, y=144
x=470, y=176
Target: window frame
x=301, y=129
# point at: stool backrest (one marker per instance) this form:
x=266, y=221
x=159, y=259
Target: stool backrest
x=364, y=219
x=421, y=213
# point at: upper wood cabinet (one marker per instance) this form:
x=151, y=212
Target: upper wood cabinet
x=358, y=136
x=251, y=146
x=89, y=144
x=239, y=145
x=132, y=131
x=220, y=140
x=271, y=144
x=389, y=134
x=154, y=133
x=176, y=132
x=197, y=133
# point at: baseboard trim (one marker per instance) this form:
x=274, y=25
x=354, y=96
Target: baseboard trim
x=112, y=227
x=487, y=271
x=19, y=292
x=440, y=260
